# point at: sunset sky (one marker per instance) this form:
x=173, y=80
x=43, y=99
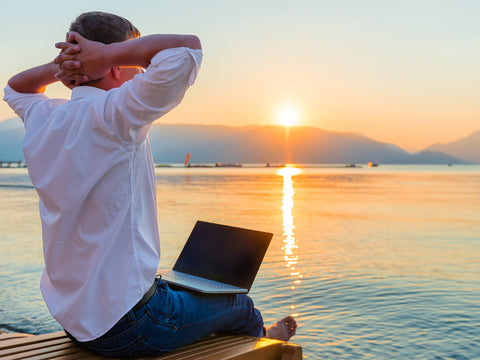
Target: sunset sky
x=405, y=72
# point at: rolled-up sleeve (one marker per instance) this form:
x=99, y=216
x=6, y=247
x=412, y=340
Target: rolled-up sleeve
x=148, y=96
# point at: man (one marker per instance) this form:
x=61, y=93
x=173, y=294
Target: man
x=90, y=162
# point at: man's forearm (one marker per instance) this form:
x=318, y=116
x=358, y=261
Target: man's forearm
x=97, y=59
x=34, y=80
x=139, y=51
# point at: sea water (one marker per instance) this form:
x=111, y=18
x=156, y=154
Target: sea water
x=375, y=263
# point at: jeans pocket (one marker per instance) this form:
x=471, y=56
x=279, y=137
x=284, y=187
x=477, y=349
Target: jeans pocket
x=164, y=309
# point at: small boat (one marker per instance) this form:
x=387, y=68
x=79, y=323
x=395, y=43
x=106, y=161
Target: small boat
x=12, y=164
x=227, y=165
x=199, y=166
x=187, y=160
x=372, y=164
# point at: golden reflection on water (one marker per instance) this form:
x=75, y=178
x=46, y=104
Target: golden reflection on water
x=289, y=244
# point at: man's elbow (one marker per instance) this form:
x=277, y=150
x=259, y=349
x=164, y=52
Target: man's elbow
x=194, y=42
x=13, y=84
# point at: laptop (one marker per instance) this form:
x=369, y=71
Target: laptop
x=219, y=259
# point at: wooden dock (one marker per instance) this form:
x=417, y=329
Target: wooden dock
x=215, y=347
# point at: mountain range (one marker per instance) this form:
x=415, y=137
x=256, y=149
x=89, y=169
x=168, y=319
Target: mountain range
x=270, y=144
x=467, y=148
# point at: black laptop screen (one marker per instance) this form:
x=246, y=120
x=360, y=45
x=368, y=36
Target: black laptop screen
x=223, y=253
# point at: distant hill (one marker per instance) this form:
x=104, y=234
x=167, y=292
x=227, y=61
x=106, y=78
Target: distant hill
x=253, y=144
x=467, y=148
x=266, y=144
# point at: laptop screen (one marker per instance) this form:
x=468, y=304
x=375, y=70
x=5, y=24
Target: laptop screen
x=223, y=253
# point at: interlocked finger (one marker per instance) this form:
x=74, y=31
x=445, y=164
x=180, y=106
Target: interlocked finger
x=70, y=65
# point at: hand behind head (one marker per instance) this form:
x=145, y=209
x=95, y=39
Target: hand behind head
x=68, y=68
x=81, y=59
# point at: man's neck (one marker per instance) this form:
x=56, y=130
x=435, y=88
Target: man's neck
x=103, y=84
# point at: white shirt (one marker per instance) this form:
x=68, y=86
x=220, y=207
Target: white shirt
x=90, y=161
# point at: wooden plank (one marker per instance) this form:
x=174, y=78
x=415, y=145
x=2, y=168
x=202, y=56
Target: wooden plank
x=67, y=347
x=291, y=352
x=195, y=350
x=79, y=356
x=212, y=353
x=69, y=354
x=240, y=348
x=33, y=346
x=32, y=340
x=215, y=347
x=10, y=336
x=242, y=352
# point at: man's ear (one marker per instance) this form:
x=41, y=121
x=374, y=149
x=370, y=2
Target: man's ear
x=115, y=73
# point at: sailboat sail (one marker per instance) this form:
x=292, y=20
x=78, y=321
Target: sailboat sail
x=187, y=159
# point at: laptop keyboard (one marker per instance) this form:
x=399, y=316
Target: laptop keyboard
x=195, y=280
x=199, y=281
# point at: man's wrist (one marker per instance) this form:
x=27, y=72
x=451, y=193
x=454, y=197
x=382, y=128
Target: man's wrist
x=52, y=70
x=111, y=54
x=48, y=76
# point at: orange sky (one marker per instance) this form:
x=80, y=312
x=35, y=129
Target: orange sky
x=399, y=72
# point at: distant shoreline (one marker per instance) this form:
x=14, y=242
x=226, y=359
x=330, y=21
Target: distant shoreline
x=272, y=165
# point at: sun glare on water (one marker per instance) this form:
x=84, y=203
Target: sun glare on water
x=288, y=116
x=289, y=243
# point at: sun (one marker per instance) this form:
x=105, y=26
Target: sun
x=288, y=116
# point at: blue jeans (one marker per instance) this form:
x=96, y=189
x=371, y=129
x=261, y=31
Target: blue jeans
x=174, y=318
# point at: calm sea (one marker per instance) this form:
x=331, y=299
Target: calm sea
x=376, y=263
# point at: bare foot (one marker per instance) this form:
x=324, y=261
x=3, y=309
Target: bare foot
x=283, y=329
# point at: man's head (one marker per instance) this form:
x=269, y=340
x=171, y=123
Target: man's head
x=104, y=27
x=107, y=28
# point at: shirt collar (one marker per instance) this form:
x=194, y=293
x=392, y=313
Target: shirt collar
x=84, y=91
